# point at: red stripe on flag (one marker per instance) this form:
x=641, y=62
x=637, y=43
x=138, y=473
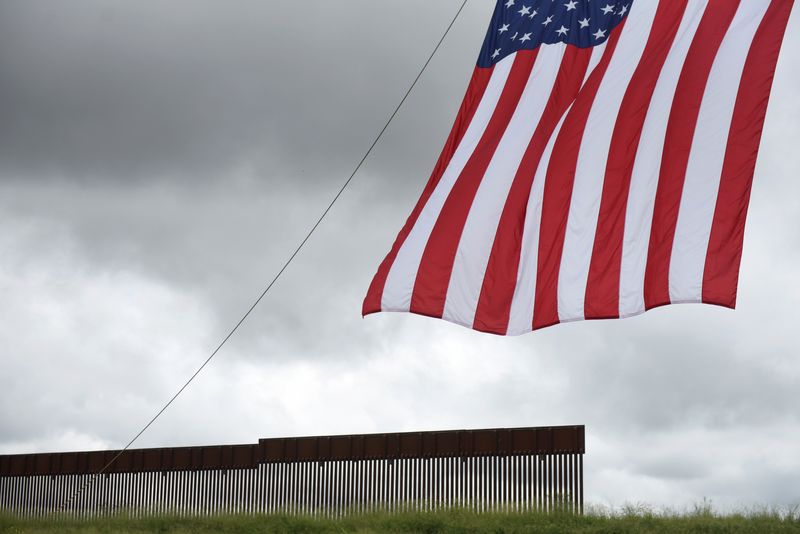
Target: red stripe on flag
x=500, y=279
x=602, y=288
x=558, y=192
x=678, y=145
x=724, y=255
x=475, y=90
x=436, y=265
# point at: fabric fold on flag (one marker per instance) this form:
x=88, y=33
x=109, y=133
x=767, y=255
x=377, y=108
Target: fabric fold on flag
x=600, y=165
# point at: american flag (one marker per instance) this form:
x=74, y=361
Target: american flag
x=600, y=165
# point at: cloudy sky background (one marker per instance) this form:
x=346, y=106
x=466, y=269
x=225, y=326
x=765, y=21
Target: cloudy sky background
x=160, y=160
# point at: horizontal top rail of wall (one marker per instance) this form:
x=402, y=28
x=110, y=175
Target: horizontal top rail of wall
x=455, y=443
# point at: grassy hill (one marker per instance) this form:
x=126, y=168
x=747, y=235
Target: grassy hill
x=702, y=520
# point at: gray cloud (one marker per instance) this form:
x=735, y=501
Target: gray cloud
x=114, y=91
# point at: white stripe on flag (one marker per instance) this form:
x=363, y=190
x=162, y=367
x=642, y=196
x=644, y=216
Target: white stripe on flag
x=480, y=227
x=591, y=166
x=521, y=314
x=403, y=273
x=647, y=165
x=521, y=317
x=710, y=141
x=594, y=60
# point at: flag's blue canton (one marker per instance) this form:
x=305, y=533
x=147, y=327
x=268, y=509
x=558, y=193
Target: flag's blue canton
x=525, y=24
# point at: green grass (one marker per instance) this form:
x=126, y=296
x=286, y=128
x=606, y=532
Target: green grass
x=597, y=521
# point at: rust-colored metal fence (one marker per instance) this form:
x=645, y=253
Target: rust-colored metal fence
x=495, y=469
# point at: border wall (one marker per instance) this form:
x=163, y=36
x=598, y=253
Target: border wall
x=516, y=469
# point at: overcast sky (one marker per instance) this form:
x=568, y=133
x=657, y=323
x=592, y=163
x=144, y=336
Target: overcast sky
x=160, y=160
